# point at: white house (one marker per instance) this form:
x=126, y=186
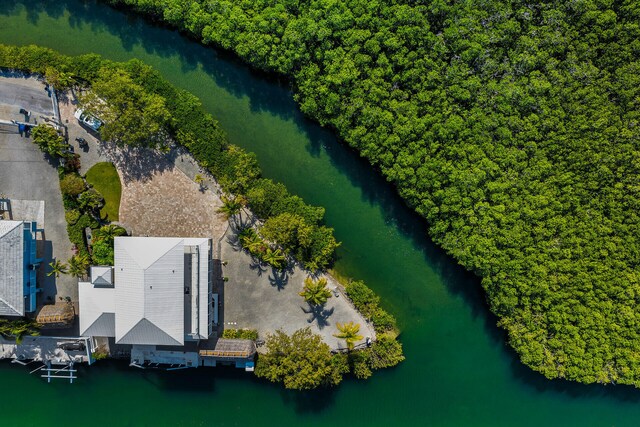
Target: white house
x=158, y=292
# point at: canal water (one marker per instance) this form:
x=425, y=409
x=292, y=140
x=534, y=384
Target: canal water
x=459, y=371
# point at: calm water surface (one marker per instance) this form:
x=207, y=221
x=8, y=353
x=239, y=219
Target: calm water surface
x=458, y=370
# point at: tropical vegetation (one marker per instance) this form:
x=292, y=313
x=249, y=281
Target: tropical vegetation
x=261, y=249
x=50, y=141
x=512, y=127
x=368, y=304
x=315, y=292
x=79, y=264
x=303, y=361
x=349, y=332
x=291, y=227
x=231, y=206
x=18, y=328
x=57, y=268
x=241, y=334
x=300, y=361
x=102, y=245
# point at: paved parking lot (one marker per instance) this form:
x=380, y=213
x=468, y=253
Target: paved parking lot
x=26, y=174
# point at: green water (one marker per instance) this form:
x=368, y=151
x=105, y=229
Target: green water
x=458, y=371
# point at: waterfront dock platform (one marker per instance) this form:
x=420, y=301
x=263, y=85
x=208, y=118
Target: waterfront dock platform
x=56, y=350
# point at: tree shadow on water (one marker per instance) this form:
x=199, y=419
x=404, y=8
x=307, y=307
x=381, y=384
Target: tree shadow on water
x=309, y=402
x=571, y=389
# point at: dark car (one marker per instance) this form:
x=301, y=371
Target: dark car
x=82, y=142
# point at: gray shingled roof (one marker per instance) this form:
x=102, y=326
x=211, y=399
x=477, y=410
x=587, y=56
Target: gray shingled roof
x=11, y=270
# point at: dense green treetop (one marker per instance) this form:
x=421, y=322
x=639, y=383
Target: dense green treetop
x=512, y=127
x=131, y=114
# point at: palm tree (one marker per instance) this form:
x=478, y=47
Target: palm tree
x=251, y=241
x=349, y=333
x=109, y=232
x=57, y=268
x=78, y=265
x=232, y=206
x=18, y=328
x=315, y=292
x=199, y=179
x=275, y=257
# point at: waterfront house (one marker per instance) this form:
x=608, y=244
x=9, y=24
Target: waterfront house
x=157, y=297
x=18, y=267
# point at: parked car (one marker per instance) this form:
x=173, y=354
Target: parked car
x=88, y=120
x=82, y=142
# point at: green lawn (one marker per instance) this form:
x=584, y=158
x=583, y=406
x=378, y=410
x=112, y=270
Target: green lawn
x=104, y=178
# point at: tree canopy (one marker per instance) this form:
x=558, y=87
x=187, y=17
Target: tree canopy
x=512, y=127
x=301, y=361
x=130, y=114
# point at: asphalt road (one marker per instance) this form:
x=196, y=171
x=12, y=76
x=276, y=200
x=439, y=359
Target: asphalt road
x=26, y=174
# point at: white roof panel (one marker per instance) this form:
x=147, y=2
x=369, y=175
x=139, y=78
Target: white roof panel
x=97, y=310
x=149, y=302
x=102, y=275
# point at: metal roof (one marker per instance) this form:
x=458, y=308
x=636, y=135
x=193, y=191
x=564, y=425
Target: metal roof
x=102, y=275
x=149, y=291
x=11, y=268
x=97, y=310
x=200, y=299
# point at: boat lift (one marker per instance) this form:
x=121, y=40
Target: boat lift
x=67, y=369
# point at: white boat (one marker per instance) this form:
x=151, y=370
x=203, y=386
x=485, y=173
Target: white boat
x=88, y=120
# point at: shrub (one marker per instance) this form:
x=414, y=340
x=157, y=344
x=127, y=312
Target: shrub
x=244, y=334
x=100, y=355
x=91, y=200
x=49, y=141
x=359, y=364
x=383, y=321
x=72, y=216
x=300, y=361
x=72, y=163
x=102, y=252
x=70, y=202
x=72, y=184
x=76, y=232
x=366, y=301
x=384, y=352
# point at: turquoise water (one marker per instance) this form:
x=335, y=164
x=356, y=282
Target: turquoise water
x=459, y=371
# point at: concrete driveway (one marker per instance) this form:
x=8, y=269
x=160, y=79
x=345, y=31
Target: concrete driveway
x=259, y=297
x=26, y=174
